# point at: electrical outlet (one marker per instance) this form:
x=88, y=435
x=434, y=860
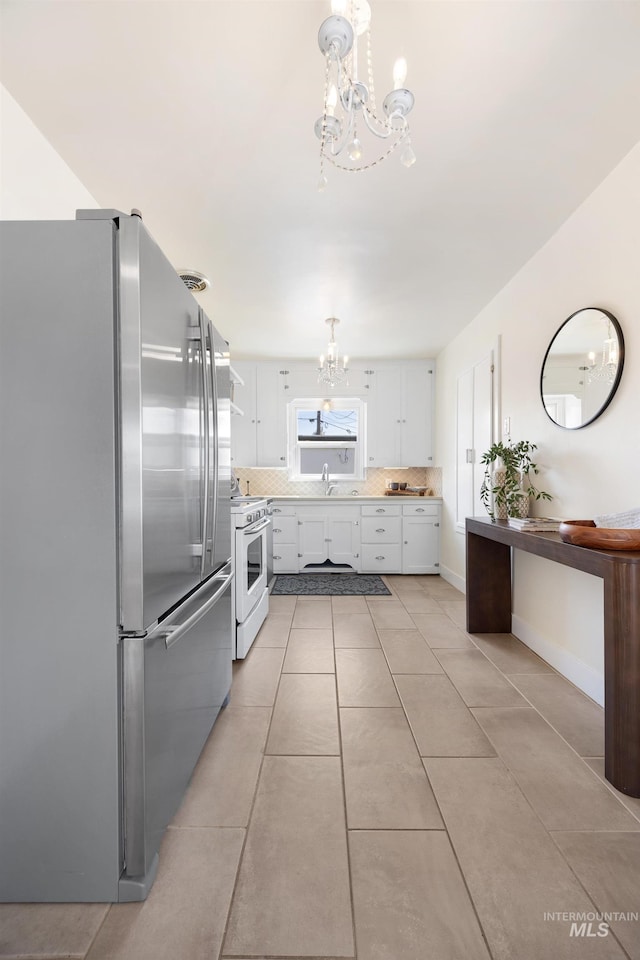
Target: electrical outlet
x=506, y=426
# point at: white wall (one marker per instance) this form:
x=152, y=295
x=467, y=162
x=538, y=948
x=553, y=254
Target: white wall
x=35, y=182
x=591, y=261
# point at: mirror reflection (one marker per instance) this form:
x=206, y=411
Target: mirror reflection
x=582, y=368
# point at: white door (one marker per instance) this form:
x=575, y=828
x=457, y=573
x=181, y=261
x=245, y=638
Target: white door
x=474, y=435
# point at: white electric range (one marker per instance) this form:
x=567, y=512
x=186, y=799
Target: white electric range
x=251, y=524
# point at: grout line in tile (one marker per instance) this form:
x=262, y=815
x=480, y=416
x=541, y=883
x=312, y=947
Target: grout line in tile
x=252, y=807
x=344, y=798
x=579, y=881
x=446, y=829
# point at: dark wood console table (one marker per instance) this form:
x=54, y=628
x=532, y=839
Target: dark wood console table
x=489, y=546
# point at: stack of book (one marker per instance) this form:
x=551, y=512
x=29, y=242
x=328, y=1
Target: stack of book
x=535, y=524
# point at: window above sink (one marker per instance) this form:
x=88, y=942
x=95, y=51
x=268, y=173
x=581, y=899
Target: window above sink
x=326, y=434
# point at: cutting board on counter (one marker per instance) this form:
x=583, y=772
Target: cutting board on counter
x=407, y=493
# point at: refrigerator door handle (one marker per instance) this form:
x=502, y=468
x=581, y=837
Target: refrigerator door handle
x=172, y=634
x=207, y=447
x=214, y=439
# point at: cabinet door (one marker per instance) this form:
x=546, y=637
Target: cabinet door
x=285, y=529
x=312, y=540
x=420, y=545
x=417, y=412
x=271, y=432
x=243, y=428
x=285, y=558
x=384, y=417
x=343, y=536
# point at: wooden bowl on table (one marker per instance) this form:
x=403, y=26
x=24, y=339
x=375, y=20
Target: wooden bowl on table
x=584, y=533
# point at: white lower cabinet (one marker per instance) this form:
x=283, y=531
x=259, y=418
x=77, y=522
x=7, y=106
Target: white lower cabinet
x=285, y=541
x=381, y=535
x=334, y=537
x=421, y=538
x=377, y=537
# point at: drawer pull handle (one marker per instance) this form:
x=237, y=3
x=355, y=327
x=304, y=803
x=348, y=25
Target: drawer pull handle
x=277, y=530
x=276, y=510
x=380, y=530
x=380, y=510
x=379, y=558
x=419, y=509
x=276, y=557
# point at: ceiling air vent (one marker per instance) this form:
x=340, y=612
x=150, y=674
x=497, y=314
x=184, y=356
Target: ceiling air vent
x=194, y=281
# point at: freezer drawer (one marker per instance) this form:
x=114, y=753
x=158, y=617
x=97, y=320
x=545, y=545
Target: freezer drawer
x=175, y=682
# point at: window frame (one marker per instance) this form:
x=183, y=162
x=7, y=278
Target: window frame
x=294, y=446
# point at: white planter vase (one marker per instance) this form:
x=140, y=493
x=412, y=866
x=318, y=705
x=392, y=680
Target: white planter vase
x=498, y=477
x=519, y=507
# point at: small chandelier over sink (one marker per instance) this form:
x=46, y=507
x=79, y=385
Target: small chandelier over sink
x=350, y=104
x=332, y=370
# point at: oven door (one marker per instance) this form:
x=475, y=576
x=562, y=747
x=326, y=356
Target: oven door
x=251, y=566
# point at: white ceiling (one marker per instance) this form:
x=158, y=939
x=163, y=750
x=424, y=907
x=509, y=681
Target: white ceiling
x=201, y=114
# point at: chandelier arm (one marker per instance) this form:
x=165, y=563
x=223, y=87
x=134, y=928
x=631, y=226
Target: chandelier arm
x=338, y=147
x=368, y=118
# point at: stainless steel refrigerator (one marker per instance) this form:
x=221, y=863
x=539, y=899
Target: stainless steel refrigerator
x=115, y=545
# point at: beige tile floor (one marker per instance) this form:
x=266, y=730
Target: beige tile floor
x=382, y=786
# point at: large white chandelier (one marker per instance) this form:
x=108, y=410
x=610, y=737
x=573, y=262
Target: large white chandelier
x=332, y=370
x=350, y=104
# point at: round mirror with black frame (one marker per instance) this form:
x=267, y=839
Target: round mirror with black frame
x=582, y=368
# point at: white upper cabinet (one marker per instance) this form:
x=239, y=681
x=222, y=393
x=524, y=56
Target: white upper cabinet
x=259, y=437
x=400, y=427
x=302, y=381
x=399, y=412
x=243, y=428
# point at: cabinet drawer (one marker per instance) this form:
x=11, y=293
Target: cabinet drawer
x=381, y=558
x=285, y=529
x=285, y=558
x=382, y=510
x=420, y=509
x=381, y=529
x=283, y=510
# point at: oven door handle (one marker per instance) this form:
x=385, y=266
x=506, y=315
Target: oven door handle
x=260, y=526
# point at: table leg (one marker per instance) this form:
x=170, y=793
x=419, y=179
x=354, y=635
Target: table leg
x=488, y=585
x=622, y=677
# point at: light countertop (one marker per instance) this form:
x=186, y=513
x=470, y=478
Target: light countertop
x=351, y=497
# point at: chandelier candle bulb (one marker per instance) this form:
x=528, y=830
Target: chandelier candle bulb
x=332, y=100
x=399, y=73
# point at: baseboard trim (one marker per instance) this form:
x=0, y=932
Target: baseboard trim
x=458, y=582
x=579, y=673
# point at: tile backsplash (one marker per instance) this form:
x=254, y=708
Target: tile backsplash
x=275, y=483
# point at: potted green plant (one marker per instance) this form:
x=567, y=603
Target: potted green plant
x=507, y=485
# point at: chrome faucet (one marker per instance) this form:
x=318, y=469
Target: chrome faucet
x=328, y=484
